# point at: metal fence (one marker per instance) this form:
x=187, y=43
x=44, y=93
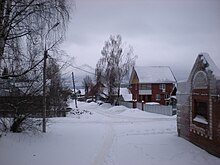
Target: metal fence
x=126, y=104
x=159, y=109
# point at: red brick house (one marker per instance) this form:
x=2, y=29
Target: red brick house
x=198, y=108
x=152, y=84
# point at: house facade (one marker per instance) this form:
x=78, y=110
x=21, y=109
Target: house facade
x=198, y=108
x=152, y=84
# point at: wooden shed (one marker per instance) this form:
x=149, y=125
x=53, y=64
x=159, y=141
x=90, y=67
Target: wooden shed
x=198, y=107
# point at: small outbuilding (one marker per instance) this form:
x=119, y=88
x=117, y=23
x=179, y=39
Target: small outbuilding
x=198, y=105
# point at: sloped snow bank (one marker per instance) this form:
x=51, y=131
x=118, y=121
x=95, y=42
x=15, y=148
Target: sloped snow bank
x=117, y=109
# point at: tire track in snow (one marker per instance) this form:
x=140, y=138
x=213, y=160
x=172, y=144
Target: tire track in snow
x=109, y=135
x=105, y=148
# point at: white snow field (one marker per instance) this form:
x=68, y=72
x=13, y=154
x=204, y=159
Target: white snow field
x=106, y=136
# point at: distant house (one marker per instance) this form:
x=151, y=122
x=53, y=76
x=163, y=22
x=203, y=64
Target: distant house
x=98, y=92
x=152, y=84
x=198, y=108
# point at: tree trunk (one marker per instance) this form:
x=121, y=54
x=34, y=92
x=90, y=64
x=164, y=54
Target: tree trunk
x=119, y=86
x=16, y=126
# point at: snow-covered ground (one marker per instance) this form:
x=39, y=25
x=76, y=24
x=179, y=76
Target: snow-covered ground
x=104, y=135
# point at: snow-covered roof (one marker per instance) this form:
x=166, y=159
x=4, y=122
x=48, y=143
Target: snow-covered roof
x=211, y=65
x=126, y=94
x=154, y=74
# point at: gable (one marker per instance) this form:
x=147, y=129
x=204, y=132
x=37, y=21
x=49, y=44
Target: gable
x=205, y=64
x=133, y=78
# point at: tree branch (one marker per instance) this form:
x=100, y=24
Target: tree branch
x=25, y=72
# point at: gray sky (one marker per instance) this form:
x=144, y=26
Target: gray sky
x=162, y=32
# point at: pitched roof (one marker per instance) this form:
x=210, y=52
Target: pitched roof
x=126, y=94
x=154, y=74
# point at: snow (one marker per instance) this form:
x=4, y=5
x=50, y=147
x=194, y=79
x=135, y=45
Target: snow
x=126, y=94
x=104, y=135
x=152, y=103
x=200, y=119
x=154, y=74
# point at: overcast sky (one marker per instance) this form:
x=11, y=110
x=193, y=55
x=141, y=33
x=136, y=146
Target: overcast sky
x=161, y=32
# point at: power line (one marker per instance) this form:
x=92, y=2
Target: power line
x=76, y=67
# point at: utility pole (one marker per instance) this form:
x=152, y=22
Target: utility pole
x=44, y=77
x=74, y=89
x=44, y=91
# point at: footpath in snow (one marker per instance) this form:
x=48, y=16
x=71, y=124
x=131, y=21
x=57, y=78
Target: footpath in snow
x=104, y=135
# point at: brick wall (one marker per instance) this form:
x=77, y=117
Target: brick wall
x=202, y=85
x=155, y=90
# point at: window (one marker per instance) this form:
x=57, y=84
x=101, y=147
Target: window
x=157, y=97
x=201, y=112
x=145, y=86
x=166, y=96
x=163, y=87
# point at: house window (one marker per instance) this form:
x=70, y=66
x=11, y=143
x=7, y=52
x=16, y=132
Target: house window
x=166, y=96
x=145, y=86
x=201, y=112
x=163, y=87
x=158, y=97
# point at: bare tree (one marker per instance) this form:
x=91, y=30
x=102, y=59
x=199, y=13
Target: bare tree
x=87, y=84
x=24, y=26
x=114, y=65
x=26, y=31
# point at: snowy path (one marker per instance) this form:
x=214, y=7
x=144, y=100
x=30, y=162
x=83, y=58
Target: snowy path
x=107, y=143
x=110, y=136
x=135, y=137
x=111, y=121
